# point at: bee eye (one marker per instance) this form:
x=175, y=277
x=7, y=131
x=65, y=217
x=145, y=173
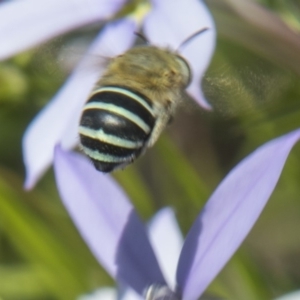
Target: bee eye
x=185, y=69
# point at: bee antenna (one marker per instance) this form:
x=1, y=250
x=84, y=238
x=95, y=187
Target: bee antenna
x=141, y=36
x=188, y=39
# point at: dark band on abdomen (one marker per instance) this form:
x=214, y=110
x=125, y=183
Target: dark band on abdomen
x=115, y=126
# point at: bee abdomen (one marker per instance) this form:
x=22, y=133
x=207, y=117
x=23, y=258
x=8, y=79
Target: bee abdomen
x=115, y=125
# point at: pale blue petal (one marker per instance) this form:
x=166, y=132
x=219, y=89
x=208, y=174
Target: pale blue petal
x=230, y=214
x=58, y=121
x=130, y=294
x=107, y=221
x=167, y=241
x=111, y=294
x=171, y=22
x=101, y=294
x=291, y=296
x=26, y=23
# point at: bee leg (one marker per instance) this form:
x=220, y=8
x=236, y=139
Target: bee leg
x=164, y=116
x=170, y=120
x=160, y=124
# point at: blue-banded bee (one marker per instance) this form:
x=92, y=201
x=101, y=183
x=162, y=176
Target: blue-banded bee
x=131, y=104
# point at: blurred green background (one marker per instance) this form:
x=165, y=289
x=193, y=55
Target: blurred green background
x=253, y=84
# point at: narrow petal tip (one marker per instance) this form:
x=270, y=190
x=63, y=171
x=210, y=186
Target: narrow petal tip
x=230, y=214
x=106, y=220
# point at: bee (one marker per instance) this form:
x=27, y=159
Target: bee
x=131, y=104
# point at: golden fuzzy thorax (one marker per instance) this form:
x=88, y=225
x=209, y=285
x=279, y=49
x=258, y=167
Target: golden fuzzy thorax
x=150, y=70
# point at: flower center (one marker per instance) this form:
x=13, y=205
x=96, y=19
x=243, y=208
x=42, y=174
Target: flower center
x=160, y=292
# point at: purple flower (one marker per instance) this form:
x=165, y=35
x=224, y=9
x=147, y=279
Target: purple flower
x=110, y=226
x=167, y=24
x=166, y=240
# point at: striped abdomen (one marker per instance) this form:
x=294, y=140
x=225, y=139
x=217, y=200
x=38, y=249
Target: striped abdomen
x=114, y=127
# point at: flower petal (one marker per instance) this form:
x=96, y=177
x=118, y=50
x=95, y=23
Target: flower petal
x=111, y=294
x=58, y=121
x=229, y=215
x=129, y=294
x=291, y=296
x=26, y=23
x=106, y=221
x=173, y=21
x=167, y=241
x=101, y=294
